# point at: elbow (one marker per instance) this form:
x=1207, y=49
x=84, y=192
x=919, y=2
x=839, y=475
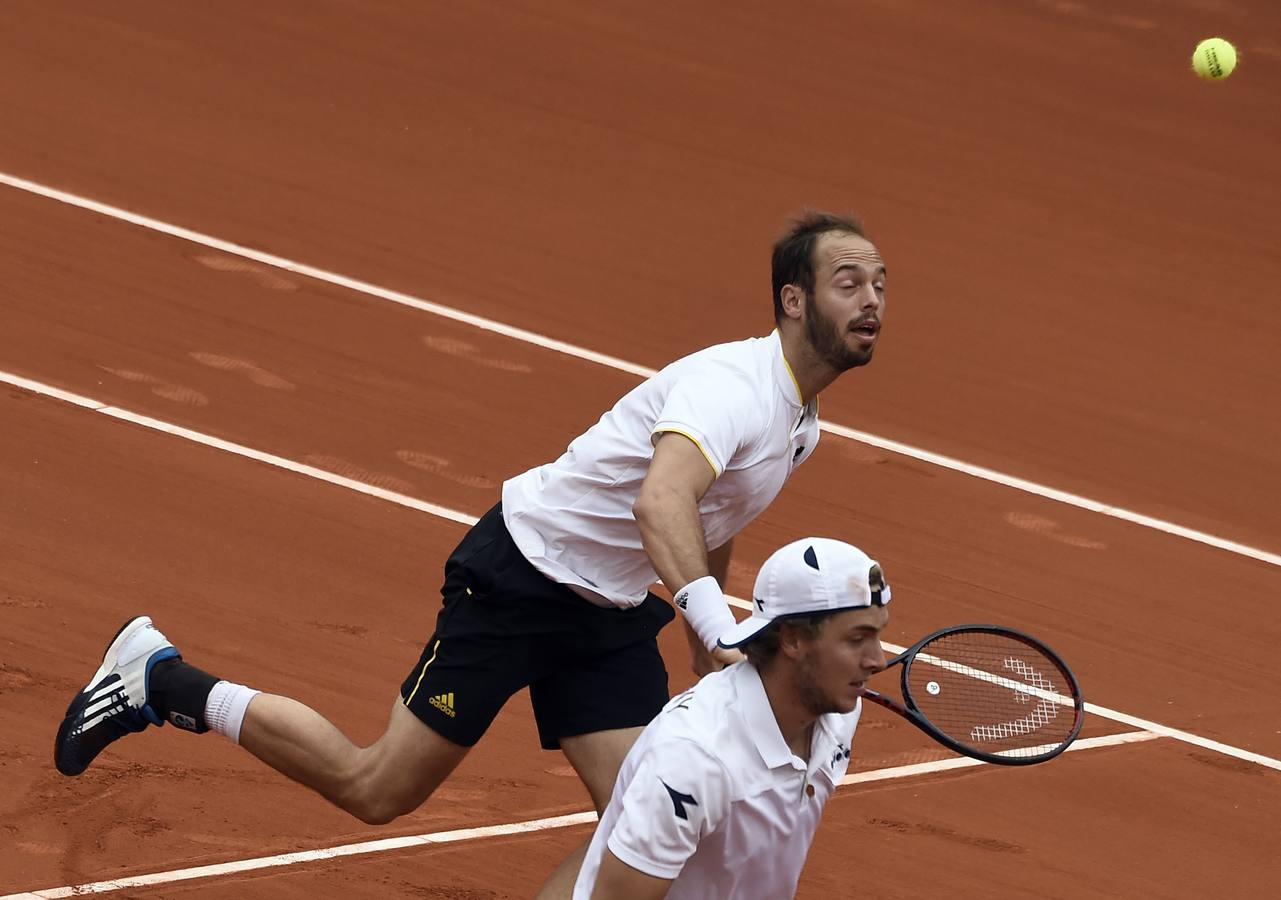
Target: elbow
x=652, y=506
x=643, y=509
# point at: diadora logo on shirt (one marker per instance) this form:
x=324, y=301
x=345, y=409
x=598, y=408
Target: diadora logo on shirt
x=681, y=701
x=444, y=703
x=679, y=801
x=839, y=755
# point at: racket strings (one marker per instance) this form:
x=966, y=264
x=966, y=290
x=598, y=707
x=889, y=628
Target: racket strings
x=994, y=693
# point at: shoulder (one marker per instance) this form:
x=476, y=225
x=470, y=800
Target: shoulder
x=744, y=362
x=681, y=759
x=702, y=721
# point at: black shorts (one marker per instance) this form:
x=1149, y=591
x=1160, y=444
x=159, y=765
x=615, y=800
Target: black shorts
x=505, y=626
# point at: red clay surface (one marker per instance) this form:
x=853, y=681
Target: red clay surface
x=1082, y=245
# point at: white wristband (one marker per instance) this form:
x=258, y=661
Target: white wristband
x=706, y=610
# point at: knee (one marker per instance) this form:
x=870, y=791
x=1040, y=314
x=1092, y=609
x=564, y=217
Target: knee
x=600, y=797
x=396, y=774
x=374, y=805
x=377, y=800
x=378, y=813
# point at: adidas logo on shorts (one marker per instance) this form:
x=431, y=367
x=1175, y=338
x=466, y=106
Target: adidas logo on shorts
x=444, y=703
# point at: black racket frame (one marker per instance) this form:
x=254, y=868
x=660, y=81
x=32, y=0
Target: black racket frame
x=909, y=710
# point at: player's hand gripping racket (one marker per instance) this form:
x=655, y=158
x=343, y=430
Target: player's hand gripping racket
x=989, y=692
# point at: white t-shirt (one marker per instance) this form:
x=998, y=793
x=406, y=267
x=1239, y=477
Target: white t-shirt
x=572, y=519
x=711, y=796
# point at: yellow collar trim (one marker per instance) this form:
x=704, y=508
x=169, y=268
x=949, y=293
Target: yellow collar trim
x=800, y=397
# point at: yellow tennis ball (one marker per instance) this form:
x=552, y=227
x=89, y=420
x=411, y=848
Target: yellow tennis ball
x=1214, y=59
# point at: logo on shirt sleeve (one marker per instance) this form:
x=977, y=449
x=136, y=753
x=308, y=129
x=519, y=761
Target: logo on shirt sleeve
x=839, y=755
x=679, y=801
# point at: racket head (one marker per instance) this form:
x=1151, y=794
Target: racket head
x=992, y=693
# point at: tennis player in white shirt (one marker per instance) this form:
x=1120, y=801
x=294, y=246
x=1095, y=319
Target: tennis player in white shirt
x=550, y=590
x=722, y=793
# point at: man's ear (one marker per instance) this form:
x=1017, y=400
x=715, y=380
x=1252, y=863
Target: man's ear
x=791, y=640
x=793, y=300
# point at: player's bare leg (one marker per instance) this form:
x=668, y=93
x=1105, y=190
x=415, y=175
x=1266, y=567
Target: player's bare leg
x=597, y=759
x=143, y=682
x=376, y=784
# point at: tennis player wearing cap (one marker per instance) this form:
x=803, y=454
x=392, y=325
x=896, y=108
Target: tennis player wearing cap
x=722, y=793
x=550, y=589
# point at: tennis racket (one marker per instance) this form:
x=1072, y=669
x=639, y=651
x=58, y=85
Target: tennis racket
x=989, y=692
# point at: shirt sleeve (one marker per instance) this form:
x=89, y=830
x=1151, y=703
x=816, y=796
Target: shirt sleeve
x=715, y=410
x=678, y=795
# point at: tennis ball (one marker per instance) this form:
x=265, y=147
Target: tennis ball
x=1214, y=59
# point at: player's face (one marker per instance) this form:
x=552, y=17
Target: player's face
x=843, y=315
x=833, y=666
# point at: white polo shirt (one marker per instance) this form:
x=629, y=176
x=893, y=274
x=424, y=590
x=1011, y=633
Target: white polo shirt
x=572, y=519
x=711, y=796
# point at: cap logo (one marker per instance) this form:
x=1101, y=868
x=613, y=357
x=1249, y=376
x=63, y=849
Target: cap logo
x=876, y=581
x=760, y=604
x=811, y=558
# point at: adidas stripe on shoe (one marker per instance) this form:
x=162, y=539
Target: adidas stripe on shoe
x=114, y=702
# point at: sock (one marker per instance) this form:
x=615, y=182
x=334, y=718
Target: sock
x=178, y=693
x=225, y=710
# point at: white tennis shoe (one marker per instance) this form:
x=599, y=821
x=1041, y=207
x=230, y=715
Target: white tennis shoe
x=114, y=702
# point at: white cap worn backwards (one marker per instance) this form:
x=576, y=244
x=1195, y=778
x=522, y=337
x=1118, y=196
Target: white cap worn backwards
x=808, y=576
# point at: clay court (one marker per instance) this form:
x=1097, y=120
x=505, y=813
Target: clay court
x=290, y=289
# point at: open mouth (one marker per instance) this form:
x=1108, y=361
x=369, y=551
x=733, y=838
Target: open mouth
x=867, y=330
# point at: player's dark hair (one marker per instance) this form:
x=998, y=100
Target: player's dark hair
x=764, y=647
x=793, y=259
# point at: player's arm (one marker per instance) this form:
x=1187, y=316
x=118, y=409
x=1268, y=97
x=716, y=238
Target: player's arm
x=619, y=881
x=704, y=662
x=718, y=561
x=679, y=794
x=666, y=511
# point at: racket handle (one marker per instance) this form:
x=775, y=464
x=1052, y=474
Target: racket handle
x=881, y=700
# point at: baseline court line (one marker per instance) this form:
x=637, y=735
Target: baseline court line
x=467, y=834
x=334, y=278
x=302, y=856
x=613, y=362
x=466, y=519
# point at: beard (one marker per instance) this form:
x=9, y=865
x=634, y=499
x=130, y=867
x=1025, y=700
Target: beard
x=809, y=693
x=827, y=340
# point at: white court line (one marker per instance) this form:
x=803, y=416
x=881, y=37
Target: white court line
x=239, y=449
x=1004, y=681
x=964, y=762
x=1163, y=730
x=466, y=519
x=467, y=834
x=613, y=362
